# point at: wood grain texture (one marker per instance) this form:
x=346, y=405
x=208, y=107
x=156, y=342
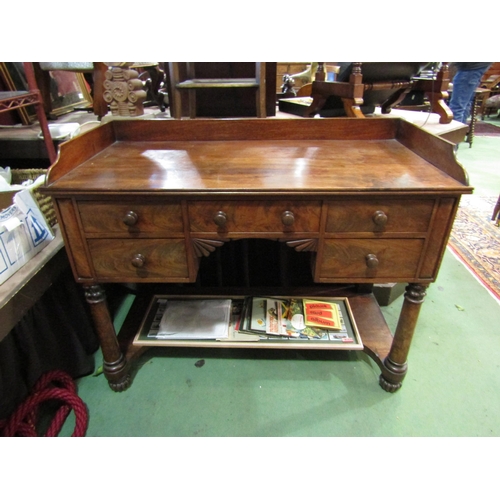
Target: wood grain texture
x=108, y=217
x=398, y=259
x=361, y=215
x=164, y=259
x=255, y=216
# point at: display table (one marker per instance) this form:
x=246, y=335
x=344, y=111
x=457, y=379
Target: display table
x=370, y=200
x=43, y=325
x=24, y=288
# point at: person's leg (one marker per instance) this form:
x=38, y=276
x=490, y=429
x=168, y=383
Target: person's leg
x=464, y=85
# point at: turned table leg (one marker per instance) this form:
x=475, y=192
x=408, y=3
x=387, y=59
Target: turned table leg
x=115, y=365
x=395, y=366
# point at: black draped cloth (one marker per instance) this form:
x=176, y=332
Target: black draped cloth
x=56, y=333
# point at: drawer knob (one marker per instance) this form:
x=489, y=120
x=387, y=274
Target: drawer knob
x=220, y=219
x=380, y=218
x=371, y=261
x=287, y=218
x=138, y=260
x=130, y=218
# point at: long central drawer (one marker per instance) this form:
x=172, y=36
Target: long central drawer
x=254, y=216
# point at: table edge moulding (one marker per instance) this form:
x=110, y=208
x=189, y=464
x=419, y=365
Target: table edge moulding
x=372, y=200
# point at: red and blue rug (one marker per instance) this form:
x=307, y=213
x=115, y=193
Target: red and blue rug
x=475, y=240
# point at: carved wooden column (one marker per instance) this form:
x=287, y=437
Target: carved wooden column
x=395, y=366
x=123, y=91
x=115, y=365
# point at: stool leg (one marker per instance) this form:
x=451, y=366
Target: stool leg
x=496, y=212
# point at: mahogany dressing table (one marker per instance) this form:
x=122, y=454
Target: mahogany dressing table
x=372, y=200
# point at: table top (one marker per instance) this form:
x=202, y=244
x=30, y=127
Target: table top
x=133, y=160
x=243, y=166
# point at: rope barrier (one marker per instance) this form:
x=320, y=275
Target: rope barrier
x=54, y=385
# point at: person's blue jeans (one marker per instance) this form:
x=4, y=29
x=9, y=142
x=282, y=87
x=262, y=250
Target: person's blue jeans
x=464, y=85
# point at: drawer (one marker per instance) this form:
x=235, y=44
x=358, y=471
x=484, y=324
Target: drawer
x=254, y=216
x=130, y=217
x=399, y=216
x=135, y=259
x=395, y=259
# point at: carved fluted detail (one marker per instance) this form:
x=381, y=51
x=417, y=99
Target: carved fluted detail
x=308, y=245
x=203, y=248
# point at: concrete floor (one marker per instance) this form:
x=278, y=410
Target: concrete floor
x=452, y=387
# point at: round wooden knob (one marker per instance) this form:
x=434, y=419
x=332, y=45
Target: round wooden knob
x=371, y=261
x=287, y=218
x=130, y=218
x=138, y=260
x=220, y=218
x=380, y=218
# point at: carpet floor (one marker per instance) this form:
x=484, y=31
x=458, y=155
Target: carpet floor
x=486, y=129
x=475, y=239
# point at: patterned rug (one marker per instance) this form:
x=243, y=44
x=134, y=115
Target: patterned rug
x=475, y=239
x=486, y=129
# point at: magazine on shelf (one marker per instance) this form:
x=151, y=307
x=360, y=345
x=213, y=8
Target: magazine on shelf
x=234, y=334
x=265, y=321
x=321, y=314
x=292, y=319
x=191, y=319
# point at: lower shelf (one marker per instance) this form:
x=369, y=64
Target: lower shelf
x=373, y=330
x=148, y=331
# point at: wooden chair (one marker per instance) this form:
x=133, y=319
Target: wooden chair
x=96, y=70
x=32, y=97
x=360, y=87
x=488, y=104
x=184, y=83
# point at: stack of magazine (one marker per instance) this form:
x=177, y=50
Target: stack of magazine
x=249, y=319
x=292, y=318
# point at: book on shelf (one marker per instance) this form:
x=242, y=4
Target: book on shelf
x=263, y=320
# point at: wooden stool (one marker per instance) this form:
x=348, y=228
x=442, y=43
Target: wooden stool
x=480, y=95
x=496, y=213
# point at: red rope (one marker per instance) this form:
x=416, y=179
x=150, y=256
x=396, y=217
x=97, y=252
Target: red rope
x=54, y=385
